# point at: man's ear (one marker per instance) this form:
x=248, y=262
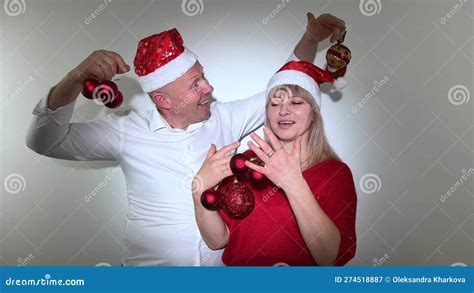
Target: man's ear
x=161, y=100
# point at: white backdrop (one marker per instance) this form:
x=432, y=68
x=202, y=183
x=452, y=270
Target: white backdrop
x=403, y=124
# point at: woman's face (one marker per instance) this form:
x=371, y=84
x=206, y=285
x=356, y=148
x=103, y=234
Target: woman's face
x=289, y=116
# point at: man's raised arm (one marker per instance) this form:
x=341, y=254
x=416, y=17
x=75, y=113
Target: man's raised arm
x=249, y=114
x=51, y=133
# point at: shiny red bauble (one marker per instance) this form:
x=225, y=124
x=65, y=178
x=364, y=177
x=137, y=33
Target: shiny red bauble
x=88, y=87
x=238, y=200
x=106, y=91
x=210, y=199
x=116, y=102
x=237, y=164
x=257, y=179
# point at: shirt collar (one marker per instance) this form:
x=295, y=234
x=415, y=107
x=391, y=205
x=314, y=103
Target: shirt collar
x=157, y=122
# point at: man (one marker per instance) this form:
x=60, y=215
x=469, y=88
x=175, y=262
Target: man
x=160, y=150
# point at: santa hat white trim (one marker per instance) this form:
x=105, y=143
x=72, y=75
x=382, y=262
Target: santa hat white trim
x=297, y=78
x=168, y=72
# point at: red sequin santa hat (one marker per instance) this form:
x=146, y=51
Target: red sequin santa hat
x=306, y=75
x=162, y=58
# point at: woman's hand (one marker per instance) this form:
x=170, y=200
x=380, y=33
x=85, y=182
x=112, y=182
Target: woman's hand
x=215, y=168
x=281, y=168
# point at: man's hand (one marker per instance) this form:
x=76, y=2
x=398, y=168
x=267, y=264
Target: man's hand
x=319, y=29
x=101, y=65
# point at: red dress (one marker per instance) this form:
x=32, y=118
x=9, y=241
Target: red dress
x=270, y=234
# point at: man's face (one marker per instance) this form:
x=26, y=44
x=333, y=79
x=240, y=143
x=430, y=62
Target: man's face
x=189, y=97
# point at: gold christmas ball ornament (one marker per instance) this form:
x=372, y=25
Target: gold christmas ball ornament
x=338, y=56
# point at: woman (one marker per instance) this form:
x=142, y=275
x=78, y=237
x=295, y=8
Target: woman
x=307, y=216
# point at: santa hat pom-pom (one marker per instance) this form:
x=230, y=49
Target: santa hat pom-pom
x=339, y=83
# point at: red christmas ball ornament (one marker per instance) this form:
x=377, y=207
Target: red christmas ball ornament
x=106, y=91
x=116, y=102
x=257, y=179
x=237, y=201
x=237, y=164
x=88, y=87
x=210, y=199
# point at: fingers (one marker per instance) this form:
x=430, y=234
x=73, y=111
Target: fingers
x=122, y=67
x=212, y=151
x=255, y=167
x=336, y=25
x=96, y=71
x=310, y=17
x=272, y=138
x=227, y=173
x=224, y=150
x=336, y=35
x=107, y=64
x=332, y=21
x=338, y=28
x=261, y=154
x=261, y=143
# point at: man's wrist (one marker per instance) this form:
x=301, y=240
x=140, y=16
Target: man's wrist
x=310, y=39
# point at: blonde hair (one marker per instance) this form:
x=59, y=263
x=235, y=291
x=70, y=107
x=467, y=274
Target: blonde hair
x=318, y=147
